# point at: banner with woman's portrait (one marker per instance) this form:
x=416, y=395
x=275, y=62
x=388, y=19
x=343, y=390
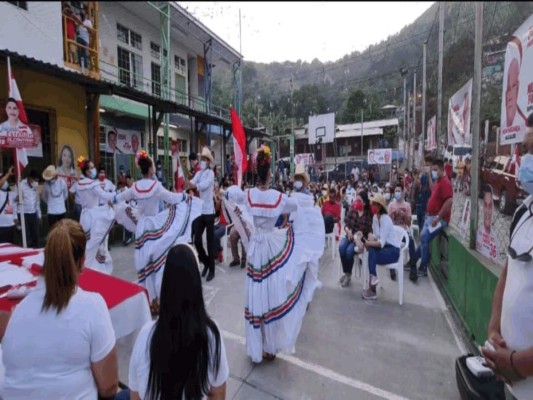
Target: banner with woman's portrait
x=66, y=167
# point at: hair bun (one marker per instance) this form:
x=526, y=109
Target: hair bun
x=140, y=156
x=81, y=162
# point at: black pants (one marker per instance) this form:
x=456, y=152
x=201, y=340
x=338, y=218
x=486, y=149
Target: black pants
x=202, y=223
x=32, y=229
x=77, y=211
x=7, y=234
x=53, y=218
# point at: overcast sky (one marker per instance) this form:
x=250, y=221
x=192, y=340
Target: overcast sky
x=281, y=31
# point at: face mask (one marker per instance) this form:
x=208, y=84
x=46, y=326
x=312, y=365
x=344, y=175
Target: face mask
x=374, y=209
x=101, y=177
x=387, y=196
x=358, y=205
x=525, y=173
x=434, y=175
x=5, y=186
x=203, y=165
x=298, y=185
x=324, y=193
x=93, y=173
x=398, y=195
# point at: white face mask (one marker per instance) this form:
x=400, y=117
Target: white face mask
x=298, y=185
x=324, y=192
x=387, y=196
x=525, y=173
x=398, y=195
x=203, y=165
x=93, y=173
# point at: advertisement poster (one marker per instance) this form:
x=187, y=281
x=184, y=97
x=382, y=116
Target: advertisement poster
x=122, y=141
x=37, y=150
x=431, y=141
x=459, y=111
x=380, y=156
x=485, y=239
x=517, y=91
x=304, y=158
x=66, y=167
x=465, y=219
x=18, y=135
x=321, y=127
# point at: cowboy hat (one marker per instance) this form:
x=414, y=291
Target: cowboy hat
x=207, y=154
x=300, y=172
x=49, y=173
x=378, y=198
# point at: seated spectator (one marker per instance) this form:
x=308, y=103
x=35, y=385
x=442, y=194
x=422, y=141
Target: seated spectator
x=331, y=211
x=181, y=355
x=59, y=342
x=357, y=225
x=383, y=245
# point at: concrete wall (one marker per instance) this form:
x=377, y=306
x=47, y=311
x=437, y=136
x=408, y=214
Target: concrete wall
x=469, y=285
x=35, y=32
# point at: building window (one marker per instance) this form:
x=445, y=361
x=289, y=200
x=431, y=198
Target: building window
x=136, y=40
x=130, y=66
x=123, y=34
x=179, y=64
x=155, y=50
x=156, y=79
x=20, y=4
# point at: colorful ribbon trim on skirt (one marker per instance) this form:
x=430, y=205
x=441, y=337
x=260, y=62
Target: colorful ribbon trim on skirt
x=157, y=233
x=155, y=266
x=278, y=312
x=276, y=262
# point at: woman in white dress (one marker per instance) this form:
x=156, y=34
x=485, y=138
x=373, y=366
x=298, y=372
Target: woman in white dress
x=96, y=221
x=276, y=294
x=155, y=232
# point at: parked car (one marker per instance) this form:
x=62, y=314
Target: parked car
x=500, y=173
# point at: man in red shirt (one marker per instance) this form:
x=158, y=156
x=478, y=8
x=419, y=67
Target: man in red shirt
x=331, y=211
x=438, y=215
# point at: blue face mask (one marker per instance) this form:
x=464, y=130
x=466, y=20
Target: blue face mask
x=434, y=175
x=525, y=173
x=398, y=195
x=93, y=173
x=298, y=185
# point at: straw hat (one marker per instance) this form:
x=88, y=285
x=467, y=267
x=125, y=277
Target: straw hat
x=207, y=154
x=49, y=173
x=300, y=172
x=378, y=198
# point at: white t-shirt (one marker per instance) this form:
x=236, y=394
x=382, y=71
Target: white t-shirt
x=205, y=181
x=83, y=31
x=517, y=306
x=140, y=362
x=49, y=356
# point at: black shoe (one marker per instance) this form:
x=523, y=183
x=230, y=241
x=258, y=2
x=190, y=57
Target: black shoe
x=204, y=271
x=234, y=263
x=413, y=276
x=393, y=274
x=210, y=276
x=243, y=264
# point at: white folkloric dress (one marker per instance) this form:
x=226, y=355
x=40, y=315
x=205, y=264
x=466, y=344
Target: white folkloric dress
x=155, y=232
x=96, y=222
x=278, y=288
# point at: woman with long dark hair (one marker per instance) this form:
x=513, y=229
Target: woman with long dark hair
x=181, y=355
x=96, y=220
x=155, y=232
x=276, y=298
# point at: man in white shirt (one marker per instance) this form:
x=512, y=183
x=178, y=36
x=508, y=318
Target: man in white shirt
x=54, y=194
x=203, y=181
x=31, y=207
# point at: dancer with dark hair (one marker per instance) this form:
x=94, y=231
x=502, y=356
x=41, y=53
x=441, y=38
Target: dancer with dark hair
x=181, y=355
x=278, y=289
x=95, y=220
x=155, y=232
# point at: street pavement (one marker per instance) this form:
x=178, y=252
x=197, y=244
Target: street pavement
x=348, y=348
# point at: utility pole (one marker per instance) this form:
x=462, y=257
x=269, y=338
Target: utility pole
x=440, y=131
x=403, y=72
x=476, y=103
x=292, y=137
x=413, y=136
x=362, y=154
x=423, y=125
x=408, y=133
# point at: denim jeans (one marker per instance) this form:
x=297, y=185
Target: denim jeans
x=386, y=255
x=346, y=252
x=220, y=231
x=83, y=53
x=425, y=239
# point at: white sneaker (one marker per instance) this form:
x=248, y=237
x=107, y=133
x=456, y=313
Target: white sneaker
x=374, y=280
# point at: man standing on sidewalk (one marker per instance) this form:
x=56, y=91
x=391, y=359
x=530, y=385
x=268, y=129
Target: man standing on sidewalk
x=438, y=215
x=510, y=328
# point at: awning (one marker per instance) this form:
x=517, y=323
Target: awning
x=357, y=133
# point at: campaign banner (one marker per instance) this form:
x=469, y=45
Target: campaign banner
x=459, y=112
x=431, y=135
x=304, y=159
x=37, y=149
x=321, y=127
x=486, y=245
x=517, y=90
x=380, y=156
x=19, y=136
x=122, y=141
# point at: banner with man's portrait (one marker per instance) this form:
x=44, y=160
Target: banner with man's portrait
x=304, y=158
x=431, y=137
x=122, y=141
x=517, y=92
x=459, y=112
x=380, y=156
x=485, y=238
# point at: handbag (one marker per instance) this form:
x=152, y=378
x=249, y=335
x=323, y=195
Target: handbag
x=473, y=388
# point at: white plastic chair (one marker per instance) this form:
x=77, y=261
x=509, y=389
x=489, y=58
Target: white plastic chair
x=397, y=266
x=330, y=241
x=224, y=242
x=414, y=226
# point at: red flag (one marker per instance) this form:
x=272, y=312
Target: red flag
x=20, y=154
x=239, y=144
x=179, y=177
